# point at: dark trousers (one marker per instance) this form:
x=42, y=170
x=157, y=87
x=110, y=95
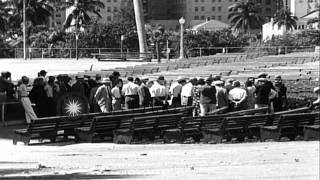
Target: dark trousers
x=158, y=101
x=176, y=101
x=131, y=101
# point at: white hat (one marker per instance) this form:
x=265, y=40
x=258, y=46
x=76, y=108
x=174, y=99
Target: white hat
x=144, y=78
x=104, y=80
x=218, y=82
x=316, y=90
x=180, y=78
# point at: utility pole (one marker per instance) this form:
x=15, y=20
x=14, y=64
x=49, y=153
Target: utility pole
x=138, y=12
x=24, y=31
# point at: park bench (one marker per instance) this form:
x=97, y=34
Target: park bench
x=109, y=56
x=312, y=132
x=147, y=126
x=52, y=127
x=289, y=125
x=103, y=125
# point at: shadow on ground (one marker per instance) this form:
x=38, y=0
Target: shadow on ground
x=75, y=176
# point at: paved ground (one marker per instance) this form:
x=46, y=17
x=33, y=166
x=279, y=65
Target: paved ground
x=271, y=160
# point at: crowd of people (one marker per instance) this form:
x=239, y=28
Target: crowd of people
x=106, y=94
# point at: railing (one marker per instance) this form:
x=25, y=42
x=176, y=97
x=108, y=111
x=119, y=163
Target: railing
x=72, y=53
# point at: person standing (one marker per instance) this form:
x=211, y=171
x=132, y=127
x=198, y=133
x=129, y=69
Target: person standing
x=196, y=97
x=103, y=96
x=175, y=91
x=38, y=96
x=159, y=93
x=280, y=101
x=94, y=107
x=208, y=97
x=116, y=96
x=222, y=95
x=262, y=93
x=130, y=91
x=26, y=103
x=186, y=92
x=237, y=97
x=144, y=93
x=250, y=93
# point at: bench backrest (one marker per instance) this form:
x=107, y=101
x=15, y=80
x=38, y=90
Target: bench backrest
x=250, y=111
x=43, y=125
x=294, y=120
x=165, y=121
x=190, y=122
x=250, y=120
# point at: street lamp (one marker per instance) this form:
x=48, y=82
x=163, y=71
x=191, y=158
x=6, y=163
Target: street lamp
x=24, y=32
x=181, y=21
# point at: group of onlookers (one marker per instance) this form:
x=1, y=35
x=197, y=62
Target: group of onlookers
x=106, y=94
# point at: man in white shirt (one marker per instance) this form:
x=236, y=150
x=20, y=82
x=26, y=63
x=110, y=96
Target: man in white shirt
x=175, y=91
x=159, y=92
x=237, y=97
x=103, y=95
x=186, y=92
x=130, y=91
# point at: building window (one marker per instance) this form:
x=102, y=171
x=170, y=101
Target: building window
x=219, y=0
x=115, y=9
x=213, y=1
x=196, y=1
x=219, y=18
x=196, y=9
x=202, y=0
x=196, y=17
x=213, y=8
x=203, y=18
x=213, y=17
x=202, y=8
x=108, y=9
x=109, y=18
x=219, y=8
x=268, y=2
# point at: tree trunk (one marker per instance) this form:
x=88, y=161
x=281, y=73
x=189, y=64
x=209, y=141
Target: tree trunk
x=138, y=11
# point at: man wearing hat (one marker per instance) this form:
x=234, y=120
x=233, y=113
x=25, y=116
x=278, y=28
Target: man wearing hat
x=103, y=96
x=316, y=103
x=280, y=101
x=175, y=91
x=186, y=92
x=130, y=92
x=237, y=97
x=222, y=95
x=159, y=93
x=43, y=74
x=262, y=75
x=144, y=93
x=228, y=84
x=79, y=86
x=208, y=98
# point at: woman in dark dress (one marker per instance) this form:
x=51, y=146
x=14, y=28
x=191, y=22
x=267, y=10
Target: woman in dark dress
x=39, y=97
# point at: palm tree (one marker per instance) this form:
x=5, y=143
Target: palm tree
x=37, y=12
x=284, y=18
x=243, y=16
x=3, y=16
x=79, y=12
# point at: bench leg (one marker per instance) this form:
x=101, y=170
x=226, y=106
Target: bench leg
x=311, y=134
x=269, y=134
x=122, y=136
x=212, y=137
x=16, y=138
x=26, y=140
x=171, y=136
x=85, y=137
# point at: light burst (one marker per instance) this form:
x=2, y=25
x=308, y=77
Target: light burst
x=73, y=108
